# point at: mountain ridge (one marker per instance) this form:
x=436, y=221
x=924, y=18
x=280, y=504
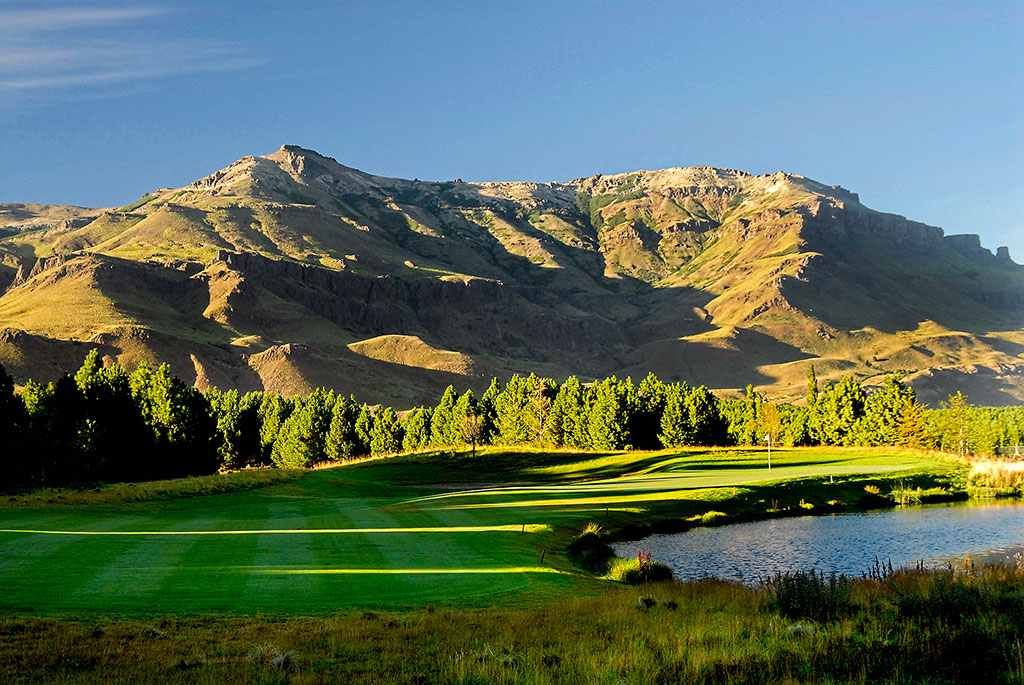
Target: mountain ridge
x=366, y=281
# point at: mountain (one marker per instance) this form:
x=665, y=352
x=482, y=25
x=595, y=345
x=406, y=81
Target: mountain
x=291, y=270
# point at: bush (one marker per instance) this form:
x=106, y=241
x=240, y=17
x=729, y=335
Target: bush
x=809, y=594
x=709, y=518
x=590, y=551
x=639, y=570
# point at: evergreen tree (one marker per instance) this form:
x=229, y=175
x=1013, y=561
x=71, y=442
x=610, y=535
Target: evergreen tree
x=813, y=422
x=706, y=421
x=54, y=419
x=417, y=429
x=608, y=421
x=567, y=423
x=342, y=442
x=883, y=413
x=648, y=405
x=840, y=406
x=364, y=430
x=488, y=414
x=442, y=429
x=386, y=432
x=302, y=439
x=511, y=407
x=676, y=428
x=541, y=393
x=744, y=417
x=464, y=411
x=912, y=426
x=14, y=434
x=796, y=430
x=238, y=426
x=274, y=411
x=957, y=429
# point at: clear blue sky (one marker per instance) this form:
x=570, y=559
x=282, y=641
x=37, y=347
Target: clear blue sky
x=916, y=106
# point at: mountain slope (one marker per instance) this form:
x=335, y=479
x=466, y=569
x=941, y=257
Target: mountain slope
x=292, y=270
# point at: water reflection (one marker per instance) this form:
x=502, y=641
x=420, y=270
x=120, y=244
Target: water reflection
x=842, y=543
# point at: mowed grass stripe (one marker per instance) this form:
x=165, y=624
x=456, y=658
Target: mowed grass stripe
x=517, y=528
x=139, y=572
x=382, y=535
x=52, y=573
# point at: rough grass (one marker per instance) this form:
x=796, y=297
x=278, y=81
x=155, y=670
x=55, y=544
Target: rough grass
x=437, y=529
x=905, y=627
x=123, y=493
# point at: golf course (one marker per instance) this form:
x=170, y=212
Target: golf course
x=414, y=531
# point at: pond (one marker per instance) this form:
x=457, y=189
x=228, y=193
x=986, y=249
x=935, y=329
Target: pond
x=841, y=543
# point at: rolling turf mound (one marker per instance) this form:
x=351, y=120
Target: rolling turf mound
x=291, y=270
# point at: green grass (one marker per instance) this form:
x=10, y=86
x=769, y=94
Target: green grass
x=405, y=532
x=909, y=627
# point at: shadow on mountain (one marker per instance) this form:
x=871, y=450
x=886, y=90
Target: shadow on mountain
x=719, y=362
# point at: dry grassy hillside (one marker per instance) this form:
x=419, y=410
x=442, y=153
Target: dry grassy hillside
x=292, y=270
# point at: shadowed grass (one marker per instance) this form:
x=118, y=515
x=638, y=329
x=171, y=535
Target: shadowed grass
x=438, y=529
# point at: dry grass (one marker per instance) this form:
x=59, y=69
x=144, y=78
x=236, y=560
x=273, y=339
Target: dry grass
x=996, y=474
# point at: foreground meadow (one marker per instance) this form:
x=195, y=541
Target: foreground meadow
x=422, y=530
x=908, y=627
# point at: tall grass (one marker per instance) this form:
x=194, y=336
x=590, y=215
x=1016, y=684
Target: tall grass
x=962, y=624
x=997, y=475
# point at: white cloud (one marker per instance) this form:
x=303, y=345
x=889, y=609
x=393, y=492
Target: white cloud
x=42, y=50
x=60, y=18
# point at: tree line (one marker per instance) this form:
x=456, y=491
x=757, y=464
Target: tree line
x=104, y=423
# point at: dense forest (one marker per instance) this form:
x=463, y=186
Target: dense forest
x=104, y=423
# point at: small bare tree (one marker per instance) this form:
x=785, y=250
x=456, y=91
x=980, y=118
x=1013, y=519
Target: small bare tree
x=472, y=429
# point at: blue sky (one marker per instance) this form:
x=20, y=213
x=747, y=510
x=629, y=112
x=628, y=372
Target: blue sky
x=916, y=106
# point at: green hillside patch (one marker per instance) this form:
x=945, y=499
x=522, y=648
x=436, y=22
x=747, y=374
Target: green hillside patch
x=420, y=530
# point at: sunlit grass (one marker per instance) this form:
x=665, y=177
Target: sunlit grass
x=519, y=528
x=433, y=528
x=498, y=570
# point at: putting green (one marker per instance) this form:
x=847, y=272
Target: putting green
x=408, y=531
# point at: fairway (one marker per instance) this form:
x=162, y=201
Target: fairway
x=401, y=532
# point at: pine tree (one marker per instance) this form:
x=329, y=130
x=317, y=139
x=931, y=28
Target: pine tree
x=463, y=413
x=540, y=393
x=648, y=405
x=608, y=421
x=840, y=406
x=341, y=442
x=813, y=420
x=417, y=429
x=273, y=412
x=386, y=433
x=912, y=426
x=364, y=430
x=302, y=440
x=676, y=428
x=883, y=412
x=442, y=431
x=957, y=412
x=511, y=406
x=14, y=433
x=567, y=421
x=488, y=414
x=705, y=415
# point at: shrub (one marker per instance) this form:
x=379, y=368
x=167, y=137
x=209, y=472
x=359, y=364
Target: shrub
x=589, y=550
x=709, y=518
x=809, y=594
x=641, y=569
